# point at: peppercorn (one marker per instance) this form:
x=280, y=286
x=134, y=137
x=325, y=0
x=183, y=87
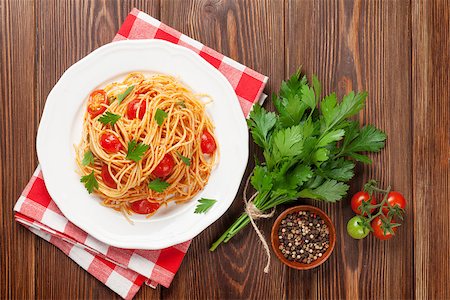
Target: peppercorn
x=304, y=237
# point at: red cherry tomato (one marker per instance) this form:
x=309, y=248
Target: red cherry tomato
x=134, y=106
x=97, y=103
x=165, y=166
x=110, y=143
x=357, y=200
x=144, y=207
x=378, y=231
x=208, y=144
x=107, y=178
x=394, y=198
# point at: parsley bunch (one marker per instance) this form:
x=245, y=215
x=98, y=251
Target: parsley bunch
x=308, y=152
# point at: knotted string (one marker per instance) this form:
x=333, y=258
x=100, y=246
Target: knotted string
x=255, y=213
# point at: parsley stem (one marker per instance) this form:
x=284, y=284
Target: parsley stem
x=240, y=223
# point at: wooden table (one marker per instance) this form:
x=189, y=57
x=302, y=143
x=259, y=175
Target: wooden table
x=399, y=51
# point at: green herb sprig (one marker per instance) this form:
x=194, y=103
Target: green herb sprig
x=204, y=205
x=90, y=182
x=158, y=185
x=124, y=95
x=88, y=158
x=109, y=118
x=160, y=116
x=184, y=159
x=136, y=150
x=309, y=152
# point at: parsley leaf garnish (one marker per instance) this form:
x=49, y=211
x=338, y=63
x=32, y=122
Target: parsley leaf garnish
x=136, y=150
x=88, y=159
x=158, y=185
x=90, y=183
x=160, y=116
x=204, y=205
x=184, y=159
x=123, y=95
x=109, y=118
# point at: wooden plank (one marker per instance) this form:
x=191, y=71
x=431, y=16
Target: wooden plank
x=361, y=45
x=250, y=32
x=431, y=123
x=17, y=159
x=66, y=32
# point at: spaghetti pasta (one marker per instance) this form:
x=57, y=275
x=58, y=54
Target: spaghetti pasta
x=166, y=126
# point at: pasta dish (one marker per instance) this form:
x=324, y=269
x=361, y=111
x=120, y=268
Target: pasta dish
x=146, y=141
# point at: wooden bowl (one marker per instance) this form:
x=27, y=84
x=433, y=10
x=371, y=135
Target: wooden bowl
x=276, y=241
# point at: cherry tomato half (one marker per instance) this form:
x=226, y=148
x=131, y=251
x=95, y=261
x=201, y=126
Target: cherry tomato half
x=394, y=198
x=144, y=207
x=356, y=228
x=378, y=231
x=357, y=200
x=107, y=178
x=165, y=166
x=208, y=144
x=97, y=103
x=134, y=106
x=110, y=143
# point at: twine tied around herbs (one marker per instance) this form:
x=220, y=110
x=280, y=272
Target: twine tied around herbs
x=255, y=213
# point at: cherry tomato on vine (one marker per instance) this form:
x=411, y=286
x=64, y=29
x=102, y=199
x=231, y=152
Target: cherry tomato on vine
x=97, y=103
x=208, y=144
x=133, y=108
x=356, y=228
x=110, y=143
x=357, y=200
x=378, y=231
x=165, y=166
x=144, y=207
x=394, y=198
x=107, y=178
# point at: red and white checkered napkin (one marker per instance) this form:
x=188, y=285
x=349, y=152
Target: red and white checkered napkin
x=124, y=270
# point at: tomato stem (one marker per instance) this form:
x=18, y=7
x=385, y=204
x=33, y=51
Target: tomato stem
x=381, y=204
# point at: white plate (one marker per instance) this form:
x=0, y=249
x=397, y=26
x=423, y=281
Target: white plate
x=61, y=126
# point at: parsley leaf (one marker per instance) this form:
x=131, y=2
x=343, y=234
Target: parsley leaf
x=287, y=142
x=329, y=190
x=260, y=181
x=136, y=150
x=334, y=113
x=308, y=96
x=332, y=136
x=260, y=124
x=338, y=169
x=90, y=183
x=299, y=175
x=204, y=205
x=317, y=87
x=289, y=103
x=160, y=116
x=158, y=185
x=321, y=155
x=88, y=158
x=109, y=118
x=184, y=159
x=367, y=138
x=123, y=95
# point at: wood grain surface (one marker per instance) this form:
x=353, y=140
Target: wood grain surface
x=399, y=51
